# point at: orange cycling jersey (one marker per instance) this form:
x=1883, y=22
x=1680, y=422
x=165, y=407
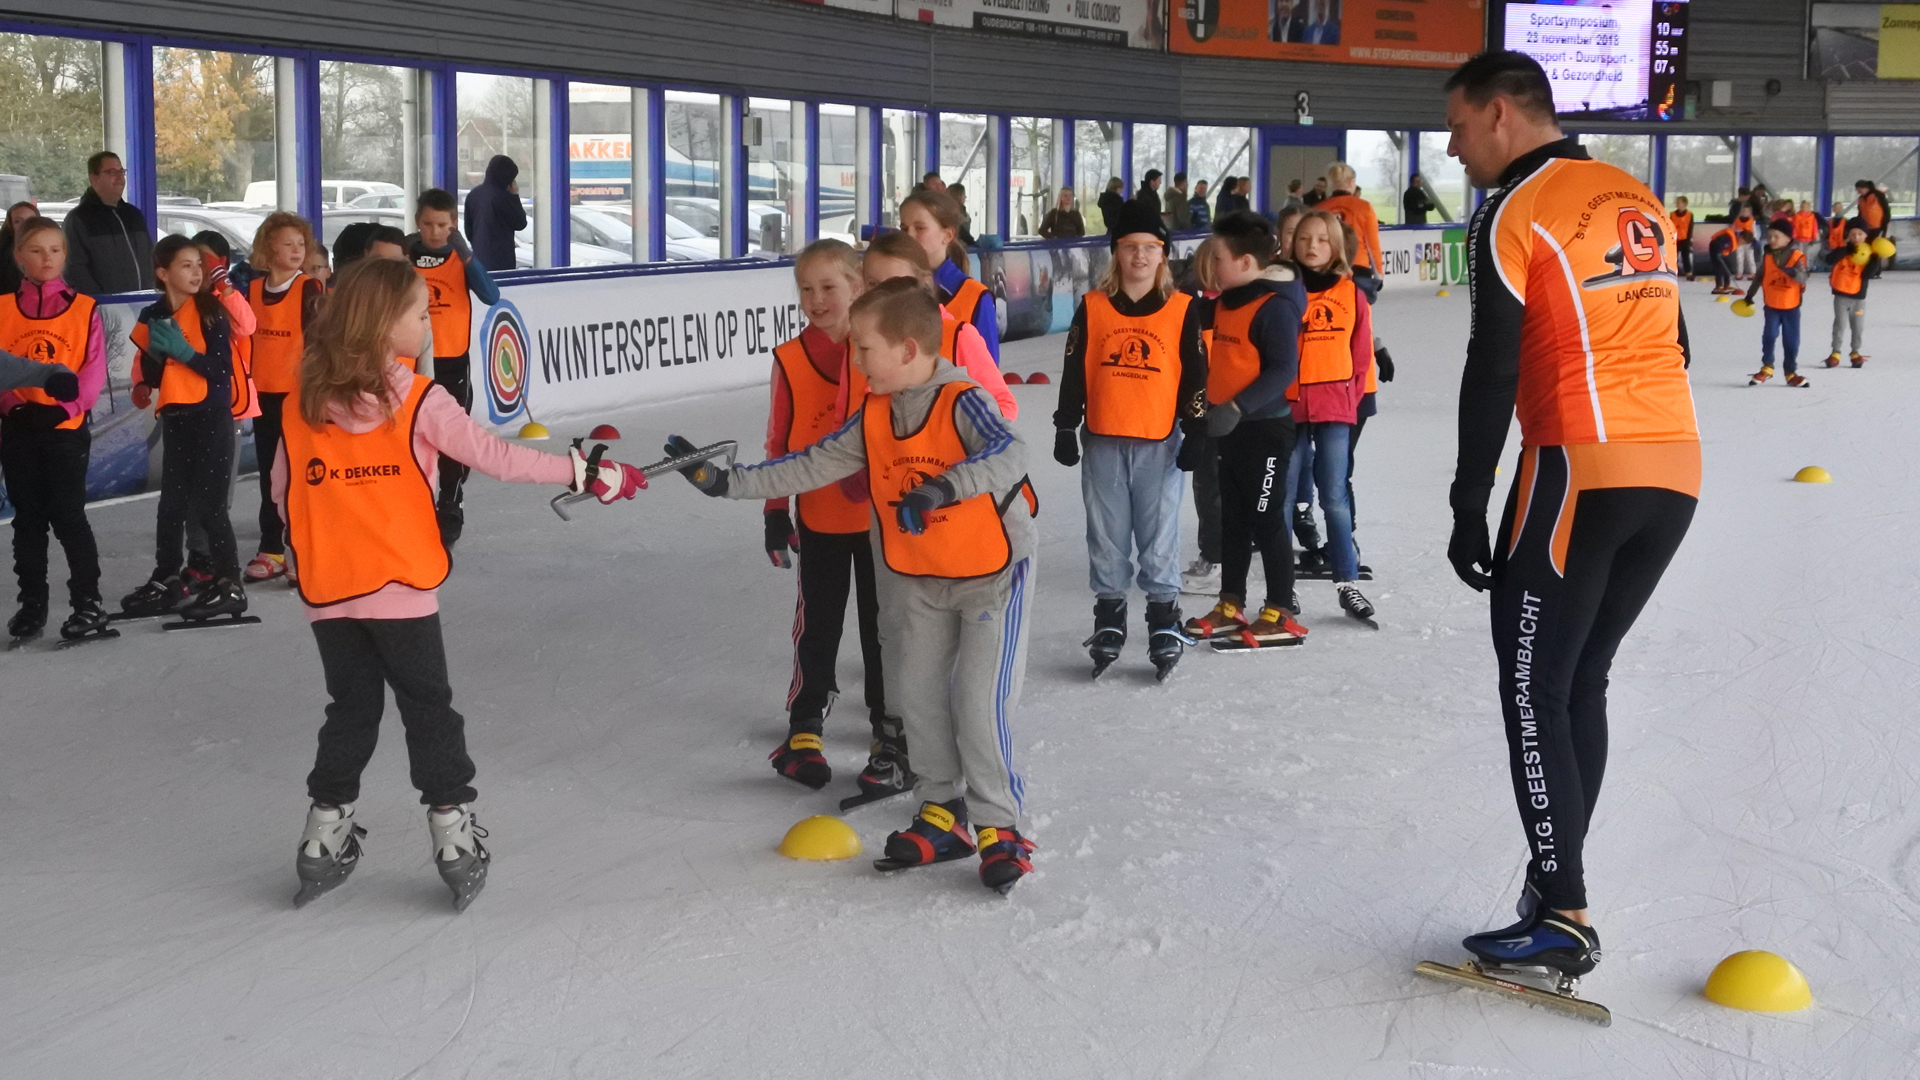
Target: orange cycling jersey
x=1358, y=213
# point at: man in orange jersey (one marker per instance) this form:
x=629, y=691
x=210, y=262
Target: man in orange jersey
x=1577, y=327
x=1355, y=212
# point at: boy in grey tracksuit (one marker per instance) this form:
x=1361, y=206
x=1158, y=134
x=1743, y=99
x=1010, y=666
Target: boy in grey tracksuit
x=955, y=647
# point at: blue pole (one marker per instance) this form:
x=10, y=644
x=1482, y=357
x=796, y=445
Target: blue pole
x=1823, y=176
x=1002, y=176
x=1743, y=158
x=810, y=175
x=931, y=129
x=1066, y=157
x=876, y=178
x=560, y=170
x=1177, y=150
x=306, y=126
x=654, y=161
x=446, y=129
x=143, y=180
x=736, y=208
x=1657, y=169
x=1126, y=160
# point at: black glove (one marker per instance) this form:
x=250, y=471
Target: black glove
x=1470, y=552
x=1222, y=419
x=913, y=507
x=33, y=416
x=781, y=538
x=1194, y=445
x=709, y=478
x=1066, y=447
x=1384, y=361
x=62, y=385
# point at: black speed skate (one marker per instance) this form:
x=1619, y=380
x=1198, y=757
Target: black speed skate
x=458, y=853
x=27, y=623
x=1166, y=642
x=1304, y=530
x=87, y=623
x=1109, y=634
x=1538, y=960
x=222, y=603
x=159, y=596
x=937, y=834
x=887, y=773
x=1004, y=859
x=800, y=759
x=1356, y=605
x=329, y=850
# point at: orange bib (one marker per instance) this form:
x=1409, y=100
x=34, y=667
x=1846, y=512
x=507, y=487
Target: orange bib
x=966, y=300
x=1777, y=288
x=277, y=337
x=1326, y=336
x=1682, y=224
x=1234, y=362
x=61, y=340
x=180, y=384
x=966, y=539
x=1846, y=274
x=359, y=507
x=1133, y=368
x=449, y=304
x=826, y=509
x=1806, y=226
x=1837, y=232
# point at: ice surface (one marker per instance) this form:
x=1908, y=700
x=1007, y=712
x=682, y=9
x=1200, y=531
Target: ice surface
x=1237, y=870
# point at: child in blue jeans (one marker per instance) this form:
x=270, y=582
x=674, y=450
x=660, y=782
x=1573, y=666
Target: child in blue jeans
x=1782, y=282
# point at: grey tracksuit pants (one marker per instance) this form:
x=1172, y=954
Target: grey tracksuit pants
x=1849, y=312
x=1132, y=490
x=956, y=654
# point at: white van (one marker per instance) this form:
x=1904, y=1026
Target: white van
x=333, y=193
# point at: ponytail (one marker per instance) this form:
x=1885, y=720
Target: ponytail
x=946, y=211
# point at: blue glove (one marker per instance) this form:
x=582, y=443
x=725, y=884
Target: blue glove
x=164, y=337
x=912, y=509
x=708, y=477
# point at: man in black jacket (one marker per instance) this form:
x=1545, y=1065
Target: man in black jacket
x=1415, y=202
x=109, y=248
x=494, y=214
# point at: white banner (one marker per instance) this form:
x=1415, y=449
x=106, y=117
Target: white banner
x=586, y=348
x=1136, y=23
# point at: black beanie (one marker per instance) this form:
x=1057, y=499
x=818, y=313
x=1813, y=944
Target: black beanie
x=1781, y=225
x=1136, y=217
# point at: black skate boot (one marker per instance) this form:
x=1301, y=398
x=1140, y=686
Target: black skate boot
x=1538, y=961
x=1356, y=605
x=87, y=623
x=1313, y=565
x=329, y=850
x=1166, y=642
x=222, y=603
x=938, y=834
x=457, y=852
x=160, y=596
x=887, y=773
x=27, y=623
x=1109, y=634
x=1304, y=530
x=1004, y=859
x=800, y=759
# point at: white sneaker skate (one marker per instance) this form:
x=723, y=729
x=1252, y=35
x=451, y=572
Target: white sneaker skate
x=329, y=850
x=1200, y=578
x=458, y=853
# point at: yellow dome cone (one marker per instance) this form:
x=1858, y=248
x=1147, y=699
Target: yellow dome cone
x=1443, y=292
x=1813, y=474
x=820, y=838
x=534, y=430
x=1743, y=308
x=1758, y=981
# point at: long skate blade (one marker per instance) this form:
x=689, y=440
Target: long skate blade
x=866, y=797
x=1364, y=620
x=1236, y=645
x=890, y=865
x=1469, y=975
x=208, y=624
x=1100, y=665
x=727, y=448
x=85, y=639
x=22, y=641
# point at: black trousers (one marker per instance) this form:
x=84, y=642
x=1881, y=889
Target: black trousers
x=1683, y=255
x=1255, y=507
x=1206, y=506
x=46, y=473
x=266, y=442
x=196, y=471
x=831, y=565
x=454, y=373
x=362, y=657
x=1555, y=631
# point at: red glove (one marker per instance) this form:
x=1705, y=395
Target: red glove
x=609, y=481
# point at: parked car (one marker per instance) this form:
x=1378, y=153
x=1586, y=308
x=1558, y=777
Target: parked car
x=380, y=200
x=333, y=222
x=765, y=220
x=238, y=226
x=684, y=243
x=333, y=193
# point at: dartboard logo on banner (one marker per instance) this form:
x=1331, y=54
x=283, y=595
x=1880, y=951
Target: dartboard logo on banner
x=503, y=340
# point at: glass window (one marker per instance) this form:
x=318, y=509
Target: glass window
x=1633, y=153
x=1702, y=168
x=695, y=133
x=776, y=186
x=839, y=178
x=51, y=122
x=1886, y=160
x=1379, y=160
x=1215, y=153
x=495, y=116
x=966, y=152
x=1787, y=164
x=903, y=148
x=600, y=173
x=367, y=161
x=1096, y=164
x=1445, y=176
x=1150, y=152
x=1031, y=178
x=213, y=124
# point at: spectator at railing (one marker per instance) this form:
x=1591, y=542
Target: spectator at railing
x=1202, y=215
x=1179, y=212
x=17, y=215
x=1063, y=222
x=109, y=247
x=494, y=214
x=1416, y=202
x=1110, y=202
x=1149, y=193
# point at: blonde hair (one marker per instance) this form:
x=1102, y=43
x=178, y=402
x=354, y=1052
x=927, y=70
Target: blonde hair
x=346, y=353
x=1203, y=266
x=1341, y=264
x=1163, y=285
x=1340, y=176
x=902, y=308
x=841, y=253
x=263, y=236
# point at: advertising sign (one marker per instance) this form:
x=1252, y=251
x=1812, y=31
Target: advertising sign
x=1135, y=23
x=1397, y=33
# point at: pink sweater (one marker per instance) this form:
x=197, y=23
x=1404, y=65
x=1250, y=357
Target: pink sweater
x=1339, y=402
x=44, y=300
x=442, y=427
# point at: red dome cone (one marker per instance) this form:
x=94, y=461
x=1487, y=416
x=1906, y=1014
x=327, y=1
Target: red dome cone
x=604, y=431
x=1038, y=378
x=1012, y=378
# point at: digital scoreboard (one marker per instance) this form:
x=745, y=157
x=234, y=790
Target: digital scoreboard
x=1607, y=59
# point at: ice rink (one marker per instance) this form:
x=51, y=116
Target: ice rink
x=1236, y=873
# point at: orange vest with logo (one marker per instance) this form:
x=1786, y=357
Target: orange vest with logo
x=1777, y=287
x=1836, y=231
x=826, y=509
x=966, y=539
x=180, y=384
x=449, y=304
x=1233, y=362
x=61, y=340
x=1806, y=226
x=277, y=337
x=359, y=508
x=1133, y=368
x=1682, y=224
x=966, y=300
x=1326, y=337
x=1845, y=276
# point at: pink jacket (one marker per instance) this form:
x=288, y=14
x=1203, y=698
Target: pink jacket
x=44, y=300
x=1339, y=402
x=442, y=427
